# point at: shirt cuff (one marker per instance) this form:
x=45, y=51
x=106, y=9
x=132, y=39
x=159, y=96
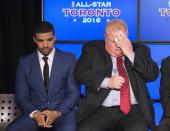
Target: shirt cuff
x=104, y=83
x=31, y=114
x=132, y=58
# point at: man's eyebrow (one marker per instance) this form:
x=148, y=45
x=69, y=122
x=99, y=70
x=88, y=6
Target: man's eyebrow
x=50, y=38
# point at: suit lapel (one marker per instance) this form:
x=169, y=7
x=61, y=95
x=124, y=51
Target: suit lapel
x=109, y=65
x=108, y=69
x=56, y=66
x=128, y=64
x=37, y=75
x=129, y=69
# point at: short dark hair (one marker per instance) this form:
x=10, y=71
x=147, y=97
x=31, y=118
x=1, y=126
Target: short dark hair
x=43, y=27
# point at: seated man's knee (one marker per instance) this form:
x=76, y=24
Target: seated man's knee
x=10, y=128
x=137, y=128
x=15, y=127
x=89, y=129
x=164, y=125
x=65, y=128
x=22, y=124
x=162, y=128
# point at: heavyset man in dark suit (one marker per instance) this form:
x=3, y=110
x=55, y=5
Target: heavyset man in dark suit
x=115, y=72
x=165, y=94
x=46, y=90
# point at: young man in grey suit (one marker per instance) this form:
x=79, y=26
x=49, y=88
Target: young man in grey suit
x=46, y=90
x=115, y=72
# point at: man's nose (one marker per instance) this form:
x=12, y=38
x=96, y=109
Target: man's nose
x=45, y=43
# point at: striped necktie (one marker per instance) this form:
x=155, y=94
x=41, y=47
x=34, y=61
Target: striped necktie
x=125, y=103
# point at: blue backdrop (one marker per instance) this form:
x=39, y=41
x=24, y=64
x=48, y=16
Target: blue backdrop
x=81, y=20
x=154, y=20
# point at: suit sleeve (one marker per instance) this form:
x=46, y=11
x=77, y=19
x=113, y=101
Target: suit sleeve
x=144, y=65
x=165, y=86
x=89, y=70
x=22, y=90
x=72, y=90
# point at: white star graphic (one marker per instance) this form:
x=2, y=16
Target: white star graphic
x=74, y=20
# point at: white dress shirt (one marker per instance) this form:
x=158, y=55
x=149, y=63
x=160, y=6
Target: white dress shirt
x=113, y=98
x=50, y=61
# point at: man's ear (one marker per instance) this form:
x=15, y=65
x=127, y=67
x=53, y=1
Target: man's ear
x=34, y=39
x=54, y=38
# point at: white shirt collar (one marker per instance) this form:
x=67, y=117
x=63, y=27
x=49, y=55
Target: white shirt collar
x=114, y=58
x=50, y=56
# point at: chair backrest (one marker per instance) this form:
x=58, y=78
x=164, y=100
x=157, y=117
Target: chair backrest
x=8, y=109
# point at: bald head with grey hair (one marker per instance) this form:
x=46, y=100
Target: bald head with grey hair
x=116, y=25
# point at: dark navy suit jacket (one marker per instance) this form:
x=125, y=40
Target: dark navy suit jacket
x=63, y=90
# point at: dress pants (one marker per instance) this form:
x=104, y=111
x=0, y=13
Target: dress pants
x=66, y=122
x=108, y=118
